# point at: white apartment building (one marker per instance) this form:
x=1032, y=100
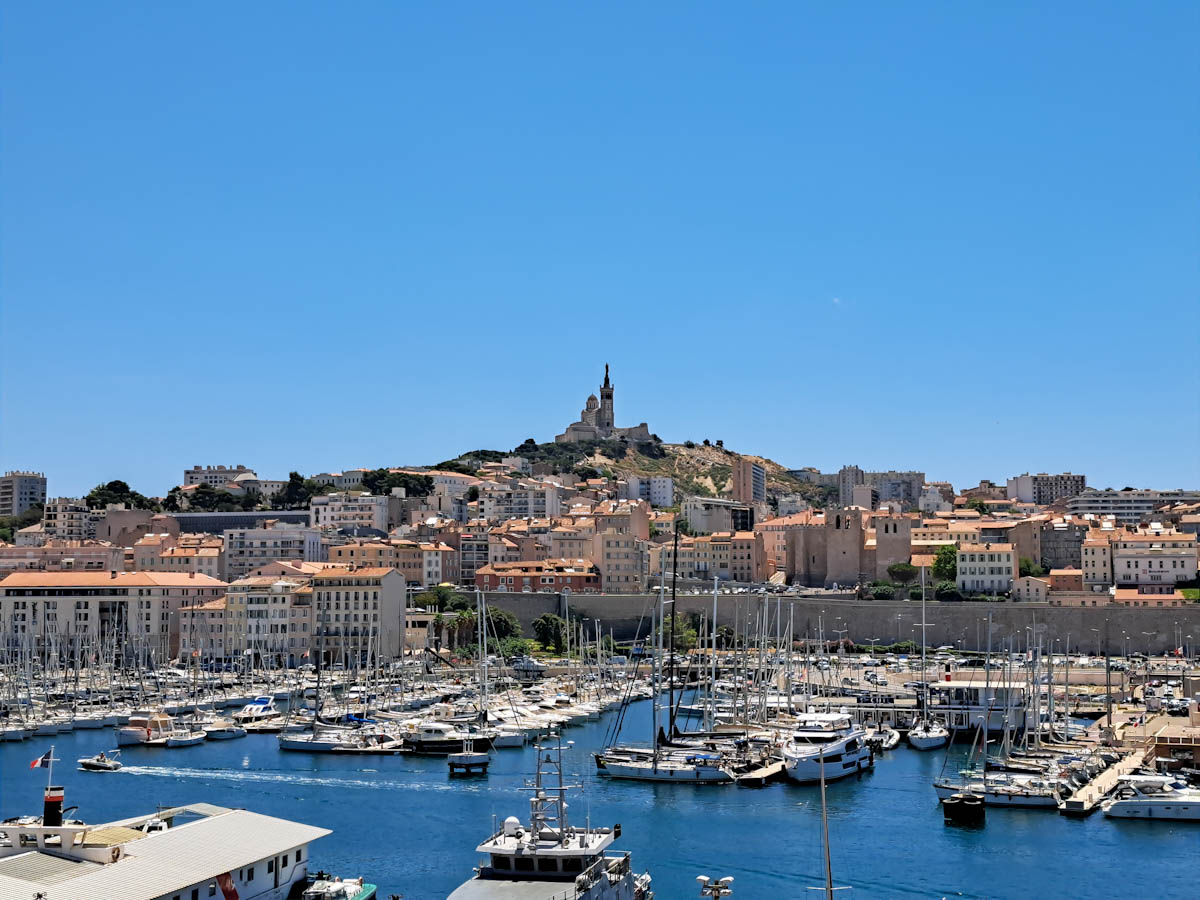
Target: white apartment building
x=349, y=510
x=987, y=568
x=1153, y=558
x=525, y=500
x=215, y=476
x=68, y=519
x=1128, y=507
x=657, y=490
x=931, y=501
x=21, y=490
x=1044, y=489
x=248, y=548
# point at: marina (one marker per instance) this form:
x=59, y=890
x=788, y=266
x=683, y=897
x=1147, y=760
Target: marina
x=768, y=838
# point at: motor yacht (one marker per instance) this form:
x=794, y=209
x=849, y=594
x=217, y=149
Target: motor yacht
x=829, y=741
x=1153, y=797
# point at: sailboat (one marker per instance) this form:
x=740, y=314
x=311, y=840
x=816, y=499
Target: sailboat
x=926, y=733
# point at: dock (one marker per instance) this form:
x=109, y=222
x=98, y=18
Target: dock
x=1085, y=800
x=764, y=774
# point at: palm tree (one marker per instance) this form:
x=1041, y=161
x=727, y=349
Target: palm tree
x=466, y=624
x=439, y=625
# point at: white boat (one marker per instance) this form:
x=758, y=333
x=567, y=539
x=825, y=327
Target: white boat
x=185, y=737
x=927, y=734
x=551, y=858
x=145, y=727
x=223, y=730
x=1153, y=797
x=1018, y=791
x=687, y=767
x=257, y=710
x=323, y=739
x=828, y=741
x=101, y=762
x=439, y=738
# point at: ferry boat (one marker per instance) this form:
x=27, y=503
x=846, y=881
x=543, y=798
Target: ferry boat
x=551, y=858
x=1153, y=797
x=828, y=741
x=198, y=850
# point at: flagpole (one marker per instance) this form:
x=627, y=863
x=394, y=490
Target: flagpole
x=50, y=769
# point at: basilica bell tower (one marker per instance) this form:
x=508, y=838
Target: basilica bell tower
x=606, y=418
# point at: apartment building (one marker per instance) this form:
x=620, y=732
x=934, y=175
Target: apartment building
x=657, y=490
x=349, y=510
x=1096, y=557
x=545, y=575
x=215, y=476
x=747, y=557
x=1153, y=558
x=903, y=487
x=423, y=564
x=271, y=619
x=749, y=481
x=205, y=633
x=622, y=559
x=20, y=491
x=709, y=515
x=1127, y=506
x=139, y=611
x=1044, y=489
x=68, y=519
x=987, y=568
x=248, y=548
x=519, y=501
x=358, y=612
x=1062, y=540
x=63, y=556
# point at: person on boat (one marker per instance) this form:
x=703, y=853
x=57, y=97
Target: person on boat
x=102, y=757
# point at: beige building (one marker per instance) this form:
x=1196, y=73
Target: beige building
x=623, y=561
x=139, y=611
x=1097, y=560
x=749, y=481
x=68, y=519
x=358, y=612
x=1153, y=558
x=62, y=556
x=271, y=619
x=1028, y=589
x=204, y=632
x=248, y=548
x=215, y=476
x=351, y=509
x=987, y=568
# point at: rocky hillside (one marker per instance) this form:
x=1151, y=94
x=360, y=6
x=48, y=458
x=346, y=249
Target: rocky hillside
x=698, y=469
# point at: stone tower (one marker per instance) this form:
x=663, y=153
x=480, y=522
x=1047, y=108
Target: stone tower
x=606, y=419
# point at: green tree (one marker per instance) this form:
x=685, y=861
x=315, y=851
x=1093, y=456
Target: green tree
x=946, y=591
x=10, y=525
x=550, y=631
x=903, y=573
x=381, y=481
x=883, y=592
x=977, y=504
x=465, y=627
x=685, y=637
x=502, y=624
x=439, y=628
x=472, y=494
x=1028, y=567
x=945, y=564
x=118, y=492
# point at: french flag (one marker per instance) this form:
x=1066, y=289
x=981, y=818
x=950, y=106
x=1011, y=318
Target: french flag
x=41, y=760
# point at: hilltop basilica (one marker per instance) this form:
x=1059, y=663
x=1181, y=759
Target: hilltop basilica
x=596, y=421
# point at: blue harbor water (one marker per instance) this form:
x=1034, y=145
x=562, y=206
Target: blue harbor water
x=404, y=824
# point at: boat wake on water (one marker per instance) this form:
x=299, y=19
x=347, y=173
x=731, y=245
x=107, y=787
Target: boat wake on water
x=283, y=778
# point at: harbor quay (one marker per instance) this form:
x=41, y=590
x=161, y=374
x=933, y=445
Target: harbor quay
x=962, y=624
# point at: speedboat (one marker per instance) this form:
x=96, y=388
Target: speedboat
x=1153, y=797
x=185, y=737
x=326, y=887
x=223, y=730
x=829, y=742
x=101, y=762
x=257, y=710
x=928, y=734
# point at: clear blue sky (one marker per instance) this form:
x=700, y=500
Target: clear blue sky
x=944, y=236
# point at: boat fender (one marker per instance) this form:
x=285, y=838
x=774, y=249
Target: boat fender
x=147, y=734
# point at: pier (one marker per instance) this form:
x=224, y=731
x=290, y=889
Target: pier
x=1085, y=800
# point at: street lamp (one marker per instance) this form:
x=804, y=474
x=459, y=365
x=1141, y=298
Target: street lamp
x=1097, y=630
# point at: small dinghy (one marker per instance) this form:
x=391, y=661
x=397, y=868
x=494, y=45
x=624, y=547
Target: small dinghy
x=101, y=762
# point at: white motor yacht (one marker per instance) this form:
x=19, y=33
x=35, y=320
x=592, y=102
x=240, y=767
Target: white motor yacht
x=257, y=710
x=826, y=740
x=146, y=727
x=1153, y=797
